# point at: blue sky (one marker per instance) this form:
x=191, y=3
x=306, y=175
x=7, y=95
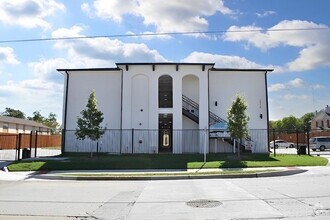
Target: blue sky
x=250, y=35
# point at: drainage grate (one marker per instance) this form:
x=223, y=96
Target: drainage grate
x=203, y=203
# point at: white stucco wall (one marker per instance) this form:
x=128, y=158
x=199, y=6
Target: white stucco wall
x=224, y=86
x=107, y=86
x=195, y=87
x=140, y=102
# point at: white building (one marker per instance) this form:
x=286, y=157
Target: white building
x=171, y=107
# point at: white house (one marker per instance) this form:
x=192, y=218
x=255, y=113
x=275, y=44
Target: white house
x=321, y=119
x=165, y=107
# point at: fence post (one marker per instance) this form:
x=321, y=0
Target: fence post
x=63, y=142
x=36, y=144
x=205, y=145
x=132, y=140
x=19, y=146
x=31, y=135
x=297, y=140
x=307, y=131
x=274, y=142
x=17, y=140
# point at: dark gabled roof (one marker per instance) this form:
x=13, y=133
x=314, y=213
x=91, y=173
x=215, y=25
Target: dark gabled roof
x=20, y=121
x=237, y=69
x=166, y=63
x=320, y=115
x=88, y=69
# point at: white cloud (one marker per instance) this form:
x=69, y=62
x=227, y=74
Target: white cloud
x=86, y=9
x=167, y=16
x=276, y=87
x=318, y=86
x=114, y=9
x=102, y=52
x=315, y=47
x=31, y=95
x=223, y=61
x=28, y=13
x=46, y=69
x=265, y=14
x=7, y=56
x=294, y=97
x=295, y=83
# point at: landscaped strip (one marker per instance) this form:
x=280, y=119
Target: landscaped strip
x=164, y=161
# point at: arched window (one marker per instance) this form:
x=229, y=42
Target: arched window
x=165, y=92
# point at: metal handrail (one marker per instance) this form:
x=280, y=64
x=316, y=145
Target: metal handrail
x=190, y=102
x=195, y=106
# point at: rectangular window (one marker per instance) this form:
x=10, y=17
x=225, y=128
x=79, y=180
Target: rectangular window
x=322, y=124
x=316, y=124
x=328, y=123
x=5, y=127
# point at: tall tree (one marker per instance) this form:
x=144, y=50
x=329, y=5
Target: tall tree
x=238, y=119
x=290, y=124
x=306, y=120
x=50, y=121
x=10, y=112
x=37, y=117
x=89, y=125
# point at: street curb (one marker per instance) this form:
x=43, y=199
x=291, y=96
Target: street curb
x=178, y=177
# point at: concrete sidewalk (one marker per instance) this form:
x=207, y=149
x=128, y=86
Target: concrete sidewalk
x=94, y=175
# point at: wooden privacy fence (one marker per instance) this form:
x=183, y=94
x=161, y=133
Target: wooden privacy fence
x=14, y=141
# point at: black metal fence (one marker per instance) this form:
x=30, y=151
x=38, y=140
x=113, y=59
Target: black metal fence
x=295, y=141
x=138, y=141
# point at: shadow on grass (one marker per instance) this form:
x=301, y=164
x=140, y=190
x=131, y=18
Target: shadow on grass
x=82, y=161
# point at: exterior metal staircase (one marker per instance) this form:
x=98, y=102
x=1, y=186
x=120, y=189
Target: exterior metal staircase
x=191, y=110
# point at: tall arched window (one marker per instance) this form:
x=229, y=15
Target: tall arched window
x=165, y=92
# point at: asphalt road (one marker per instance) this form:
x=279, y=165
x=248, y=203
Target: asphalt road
x=301, y=196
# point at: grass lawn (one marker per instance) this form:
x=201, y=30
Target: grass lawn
x=165, y=161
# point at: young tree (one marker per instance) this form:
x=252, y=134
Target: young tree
x=89, y=125
x=238, y=120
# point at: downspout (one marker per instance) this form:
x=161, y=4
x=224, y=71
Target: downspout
x=267, y=109
x=65, y=112
x=208, y=108
x=121, y=110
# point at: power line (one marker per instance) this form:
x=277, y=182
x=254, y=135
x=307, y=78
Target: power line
x=161, y=34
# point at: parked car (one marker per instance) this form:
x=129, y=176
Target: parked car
x=281, y=143
x=320, y=143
